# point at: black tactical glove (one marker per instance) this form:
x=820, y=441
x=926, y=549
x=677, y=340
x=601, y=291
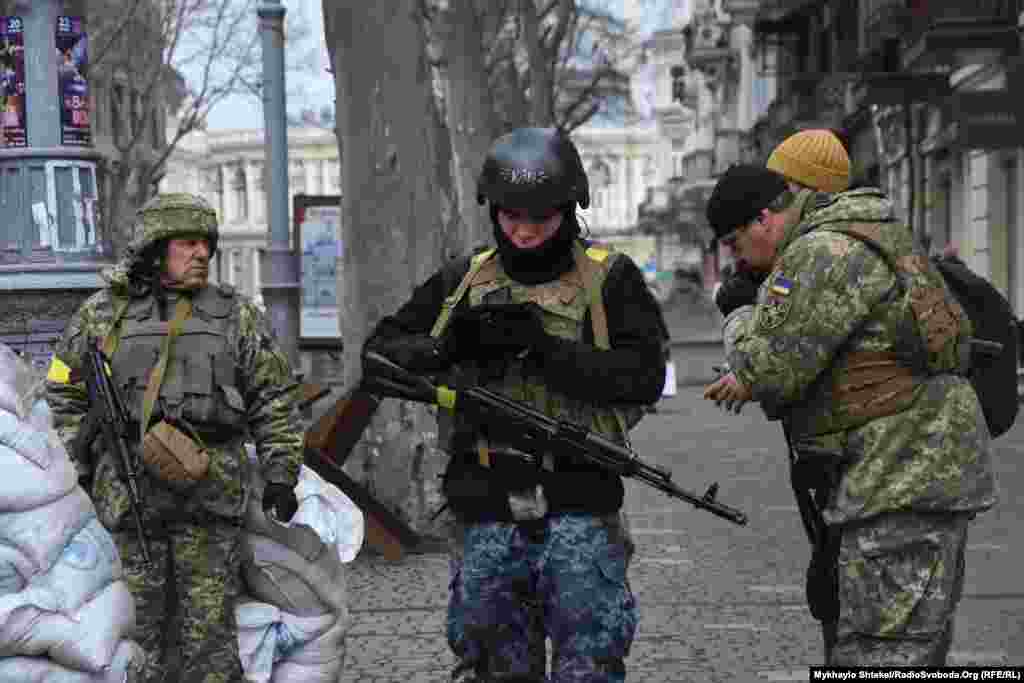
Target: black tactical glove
x=419, y=354
x=499, y=330
x=281, y=498
x=738, y=289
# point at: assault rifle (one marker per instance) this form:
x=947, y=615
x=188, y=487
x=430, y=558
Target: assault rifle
x=532, y=431
x=108, y=414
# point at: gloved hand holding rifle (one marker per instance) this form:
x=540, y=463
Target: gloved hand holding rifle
x=109, y=416
x=532, y=431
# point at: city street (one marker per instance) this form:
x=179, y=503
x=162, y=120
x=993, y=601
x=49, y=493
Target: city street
x=718, y=602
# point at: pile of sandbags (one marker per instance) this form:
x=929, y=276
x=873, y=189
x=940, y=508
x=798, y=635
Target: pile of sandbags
x=64, y=606
x=292, y=623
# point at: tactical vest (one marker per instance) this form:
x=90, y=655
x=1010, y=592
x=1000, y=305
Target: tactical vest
x=564, y=303
x=200, y=385
x=865, y=385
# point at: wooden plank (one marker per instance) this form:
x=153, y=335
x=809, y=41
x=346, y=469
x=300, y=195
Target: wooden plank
x=338, y=430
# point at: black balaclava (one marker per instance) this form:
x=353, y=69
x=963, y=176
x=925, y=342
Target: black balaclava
x=544, y=263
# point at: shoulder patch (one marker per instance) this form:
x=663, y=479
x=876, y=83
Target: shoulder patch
x=774, y=311
x=598, y=254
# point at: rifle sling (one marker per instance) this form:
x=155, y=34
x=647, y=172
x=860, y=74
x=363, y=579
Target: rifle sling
x=182, y=310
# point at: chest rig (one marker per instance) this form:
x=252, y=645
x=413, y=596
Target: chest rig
x=864, y=385
x=564, y=303
x=200, y=385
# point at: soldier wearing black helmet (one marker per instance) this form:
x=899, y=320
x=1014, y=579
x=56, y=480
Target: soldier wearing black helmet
x=570, y=327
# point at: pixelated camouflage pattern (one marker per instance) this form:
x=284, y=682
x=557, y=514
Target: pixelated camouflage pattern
x=577, y=570
x=900, y=580
x=268, y=390
x=166, y=216
x=935, y=455
x=198, y=640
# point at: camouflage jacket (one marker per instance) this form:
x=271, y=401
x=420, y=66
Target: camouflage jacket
x=830, y=295
x=267, y=387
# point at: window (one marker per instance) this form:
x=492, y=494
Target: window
x=600, y=177
x=241, y=196
x=297, y=177
x=65, y=218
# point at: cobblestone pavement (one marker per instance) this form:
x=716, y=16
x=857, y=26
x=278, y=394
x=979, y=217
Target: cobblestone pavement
x=718, y=602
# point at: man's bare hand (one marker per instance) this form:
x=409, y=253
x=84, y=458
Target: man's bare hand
x=730, y=391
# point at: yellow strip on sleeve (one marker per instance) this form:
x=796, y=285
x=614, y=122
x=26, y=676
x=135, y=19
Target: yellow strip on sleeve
x=59, y=371
x=446, y=398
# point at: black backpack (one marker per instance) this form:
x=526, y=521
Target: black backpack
x=993, y=371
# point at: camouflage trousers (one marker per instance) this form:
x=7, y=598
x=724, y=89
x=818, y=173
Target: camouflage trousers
x=900, y=580
x=185, y=601
x=563, y=576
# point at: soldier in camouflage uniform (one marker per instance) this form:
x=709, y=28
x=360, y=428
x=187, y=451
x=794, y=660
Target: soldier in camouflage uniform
x=858, y=345
x=225, y=380
x=570, y=328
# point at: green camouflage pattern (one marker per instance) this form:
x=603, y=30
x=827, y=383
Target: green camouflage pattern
x=900, y=580
x=841, y=296
x=202, y=645
x=166, y=216
x=205, y=555
x=268, y=391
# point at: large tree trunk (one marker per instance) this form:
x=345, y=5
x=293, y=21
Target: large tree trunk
x=391, y=225
x=469, y=116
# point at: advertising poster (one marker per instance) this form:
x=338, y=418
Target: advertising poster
x=12, y=82
x=73, y=81
x=320, y=232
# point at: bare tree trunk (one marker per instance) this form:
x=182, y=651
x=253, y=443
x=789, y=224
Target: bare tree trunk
x=541, y=78
x=391, y=225
x=469, y=116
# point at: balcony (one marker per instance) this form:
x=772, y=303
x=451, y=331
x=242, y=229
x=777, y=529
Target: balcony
x=937, y=30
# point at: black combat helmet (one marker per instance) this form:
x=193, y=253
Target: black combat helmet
x=534, y=169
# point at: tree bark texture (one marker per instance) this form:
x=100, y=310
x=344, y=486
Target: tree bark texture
x=391, y=226
x=469, y=115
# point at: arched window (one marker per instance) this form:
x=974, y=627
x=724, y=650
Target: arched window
x=241, y=196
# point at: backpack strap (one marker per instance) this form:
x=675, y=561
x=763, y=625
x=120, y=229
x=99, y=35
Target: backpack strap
x=450, y=302
x=113, y=337
x=182, y=310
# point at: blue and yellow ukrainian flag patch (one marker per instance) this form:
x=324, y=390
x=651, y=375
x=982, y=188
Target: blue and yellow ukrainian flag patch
x=781, y=285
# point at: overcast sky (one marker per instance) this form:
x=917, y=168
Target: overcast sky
x=316, y=91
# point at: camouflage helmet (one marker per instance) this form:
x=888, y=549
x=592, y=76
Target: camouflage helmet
x=164, y=217
x=176, y=214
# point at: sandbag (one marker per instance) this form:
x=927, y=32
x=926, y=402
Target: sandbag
x=266, y=635
x=28, y=453
x=318, y=661
x=294, y=626
x=43, y=670
x=42, y=533
x=84, y=640
x=280, y=576
x=64, y=606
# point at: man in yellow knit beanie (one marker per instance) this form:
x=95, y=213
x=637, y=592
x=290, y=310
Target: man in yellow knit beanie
x=812, y=159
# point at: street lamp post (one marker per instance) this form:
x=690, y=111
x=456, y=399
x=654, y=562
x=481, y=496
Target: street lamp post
x=280, y=261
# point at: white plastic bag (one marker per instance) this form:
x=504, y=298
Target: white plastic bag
x=330, y=513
